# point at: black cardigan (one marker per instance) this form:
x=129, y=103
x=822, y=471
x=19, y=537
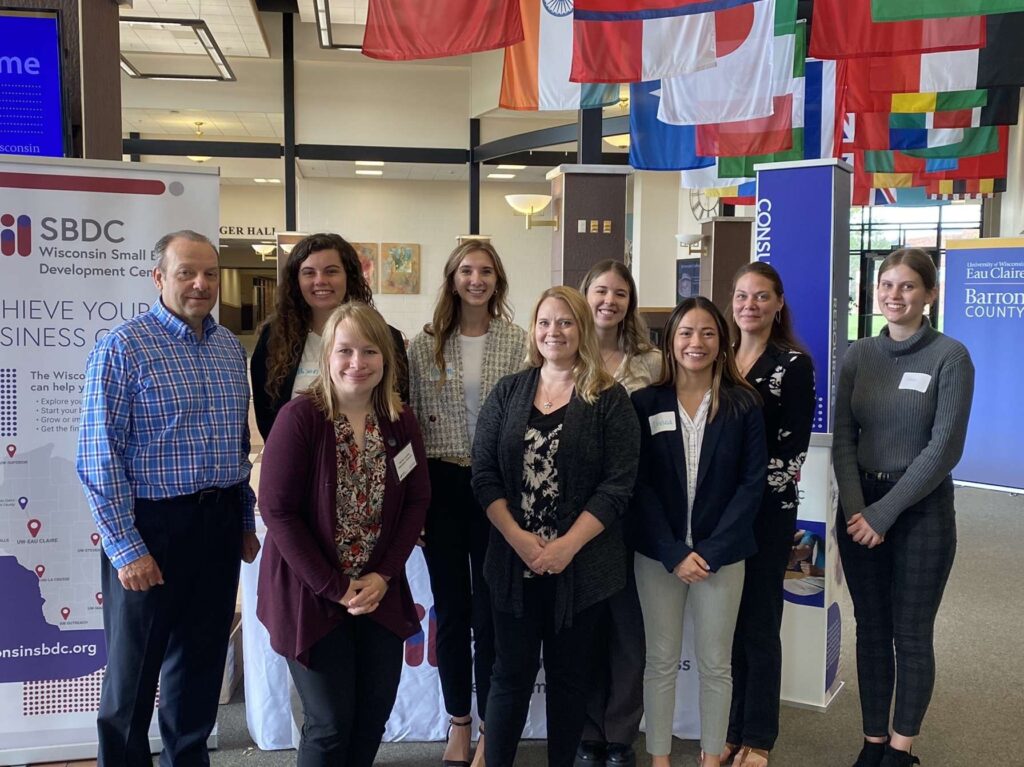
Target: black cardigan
x=596, y=462
x=267, y=407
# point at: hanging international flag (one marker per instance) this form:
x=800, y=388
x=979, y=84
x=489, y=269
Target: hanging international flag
x=972, y=189
x=824, y=96
x=843, y=28
x=744, y=81
x=536, y=73
x=625, y=10
x=938, y=102
x=709, y=178
x=1001, y=107
x=976, y=141
x=992, y=165
x=901, y=10
x=629, y=51
x=654, y=145
x=399, y=30
x=874, y=131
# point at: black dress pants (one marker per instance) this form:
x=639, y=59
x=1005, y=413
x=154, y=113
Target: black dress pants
x=896, y=589
x=177, y=632
x=347, y=692
x=756, y=646
x=457, y=531
x=568, y=656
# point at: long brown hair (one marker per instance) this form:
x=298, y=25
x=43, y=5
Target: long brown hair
x=588, y=373
x=633, y=333
x=292, y=315
x=724, y=371
x=782, y=333
x=448, y=308
x=368, y=322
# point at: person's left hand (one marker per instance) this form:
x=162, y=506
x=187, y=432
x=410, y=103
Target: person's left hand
x=370, y=589
x=250, y=546
x=554, y=557
x=862, y=532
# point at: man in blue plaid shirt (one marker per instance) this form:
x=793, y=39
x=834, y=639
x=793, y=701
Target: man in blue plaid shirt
x=163, y=455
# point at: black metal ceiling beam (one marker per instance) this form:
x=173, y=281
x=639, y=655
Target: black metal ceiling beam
x=179, y=148
x=540, y=158
x=383, y=153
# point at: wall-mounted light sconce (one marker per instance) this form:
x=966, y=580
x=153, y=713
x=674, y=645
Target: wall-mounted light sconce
x=619, y=140
x=266, y=251
x=694, y=243
x=529, y=205
x=286, y=247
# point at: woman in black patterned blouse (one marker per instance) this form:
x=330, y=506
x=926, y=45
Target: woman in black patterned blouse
x=776, y=364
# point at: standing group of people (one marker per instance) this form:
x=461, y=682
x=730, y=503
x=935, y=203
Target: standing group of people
x=573, y=488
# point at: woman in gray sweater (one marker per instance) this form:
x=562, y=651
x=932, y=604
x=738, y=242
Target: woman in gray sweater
x=554, y=460
x=901, y=413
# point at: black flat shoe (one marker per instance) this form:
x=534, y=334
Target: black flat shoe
x=590, y=753
x=871, y=754
x=620, y=755
x=896, y=758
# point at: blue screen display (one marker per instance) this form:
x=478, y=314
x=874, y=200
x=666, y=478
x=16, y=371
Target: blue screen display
x=31, y=115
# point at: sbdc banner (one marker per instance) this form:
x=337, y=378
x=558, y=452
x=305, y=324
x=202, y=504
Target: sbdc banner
x=75, y=260
x=983, y=308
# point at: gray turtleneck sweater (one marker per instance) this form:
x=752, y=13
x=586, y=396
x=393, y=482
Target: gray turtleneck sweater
x=901, y=406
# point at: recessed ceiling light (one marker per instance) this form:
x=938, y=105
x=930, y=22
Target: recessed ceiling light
x=511, y=167
x=374, y=163
x=260, y=180
x=273, y=181
x=501, y=175
x=369, y=173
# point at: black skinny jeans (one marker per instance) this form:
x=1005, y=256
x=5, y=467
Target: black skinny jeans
x=347, y=692
x=456, y=536
x=896, y=589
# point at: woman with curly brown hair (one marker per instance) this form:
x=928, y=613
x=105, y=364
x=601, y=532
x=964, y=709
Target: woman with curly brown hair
x=321, y=274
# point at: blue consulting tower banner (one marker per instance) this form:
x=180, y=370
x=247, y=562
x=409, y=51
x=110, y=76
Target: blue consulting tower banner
x=983, y=308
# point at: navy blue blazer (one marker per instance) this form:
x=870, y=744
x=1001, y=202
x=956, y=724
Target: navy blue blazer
x=730, y=481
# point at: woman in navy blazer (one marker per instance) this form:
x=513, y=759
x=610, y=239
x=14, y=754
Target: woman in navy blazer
x=702, y=473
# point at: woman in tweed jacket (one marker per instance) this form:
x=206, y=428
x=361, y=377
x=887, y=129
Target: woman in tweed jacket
x=454, y=363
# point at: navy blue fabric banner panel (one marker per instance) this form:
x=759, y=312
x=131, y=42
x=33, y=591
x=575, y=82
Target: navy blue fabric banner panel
x=983, y=308
x=802, y=229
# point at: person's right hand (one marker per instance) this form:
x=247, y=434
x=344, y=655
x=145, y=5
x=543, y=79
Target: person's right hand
x=141, y=574
x=693, y=569
x=528, y=546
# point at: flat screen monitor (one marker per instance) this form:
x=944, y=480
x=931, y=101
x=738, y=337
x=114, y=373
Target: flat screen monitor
x=31, y=104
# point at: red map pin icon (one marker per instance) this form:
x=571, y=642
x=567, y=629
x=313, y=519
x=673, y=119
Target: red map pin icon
x=40, y=569
x=34, y=526
x=95, y=538
x=11, y=450
x=65, y=612
x=99, y=597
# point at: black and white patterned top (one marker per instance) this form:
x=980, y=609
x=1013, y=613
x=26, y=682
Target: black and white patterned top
x=785, y=381
x=540, y=474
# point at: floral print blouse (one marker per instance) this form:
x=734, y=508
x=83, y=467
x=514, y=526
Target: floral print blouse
x=360, y=495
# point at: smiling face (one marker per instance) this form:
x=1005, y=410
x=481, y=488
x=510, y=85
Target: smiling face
x=189, y=280
x=322, y=280
x=356, y=364
x=696, y=344
x=475, y=279
x=556, y=333
x=608, y=297
x=902, y=297
x=754, y=303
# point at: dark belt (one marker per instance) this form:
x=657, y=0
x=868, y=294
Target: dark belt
x=210, y=495
x=882, y=476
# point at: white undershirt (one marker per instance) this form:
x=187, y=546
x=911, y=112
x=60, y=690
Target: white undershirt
x=692, y=434
x=309, y=365
x=472, y=371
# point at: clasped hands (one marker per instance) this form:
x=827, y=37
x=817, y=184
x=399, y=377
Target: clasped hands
x=693, y=569
x=364, y=594
x=541, y=556
x=858, y=528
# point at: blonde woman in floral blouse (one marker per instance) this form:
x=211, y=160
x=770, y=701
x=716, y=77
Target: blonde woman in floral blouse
x=454, y=363
x=774, y=363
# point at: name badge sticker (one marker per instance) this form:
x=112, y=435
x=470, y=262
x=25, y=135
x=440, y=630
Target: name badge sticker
x=405, y=461
x=916, y=381
x=662, y=422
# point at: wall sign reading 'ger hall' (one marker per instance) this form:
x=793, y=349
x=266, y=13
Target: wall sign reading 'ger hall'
x=247, y=231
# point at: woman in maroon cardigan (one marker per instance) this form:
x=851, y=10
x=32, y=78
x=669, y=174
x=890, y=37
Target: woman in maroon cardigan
x=344, y=492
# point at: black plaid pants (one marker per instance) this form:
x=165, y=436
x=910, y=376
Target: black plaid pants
x=896, y=589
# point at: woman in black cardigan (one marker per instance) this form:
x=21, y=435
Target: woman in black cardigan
x=321, y=274
x=554, y=461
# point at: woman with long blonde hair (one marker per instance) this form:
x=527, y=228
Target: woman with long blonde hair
x=554, y=461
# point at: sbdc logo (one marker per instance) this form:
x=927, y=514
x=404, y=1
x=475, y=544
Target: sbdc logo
x=16, y=235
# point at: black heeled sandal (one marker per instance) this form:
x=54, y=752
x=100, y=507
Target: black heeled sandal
x=455, y=762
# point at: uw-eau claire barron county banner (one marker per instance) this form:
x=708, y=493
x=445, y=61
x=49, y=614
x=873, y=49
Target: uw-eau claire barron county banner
x=76, y=241
x=983, y=308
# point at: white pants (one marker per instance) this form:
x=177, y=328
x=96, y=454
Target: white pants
x=715, y=603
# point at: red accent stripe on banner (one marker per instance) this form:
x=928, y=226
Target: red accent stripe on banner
x=81, y=183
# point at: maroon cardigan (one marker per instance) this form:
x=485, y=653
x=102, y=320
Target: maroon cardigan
x=300, y=576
